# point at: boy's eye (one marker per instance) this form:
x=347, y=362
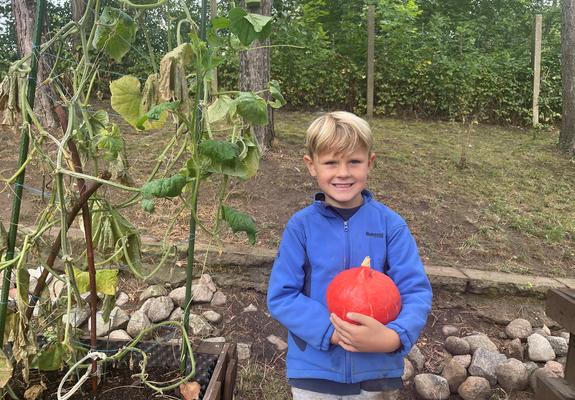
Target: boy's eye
x=356, y=161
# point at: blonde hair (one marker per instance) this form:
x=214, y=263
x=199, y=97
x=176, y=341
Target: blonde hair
x=339, y=132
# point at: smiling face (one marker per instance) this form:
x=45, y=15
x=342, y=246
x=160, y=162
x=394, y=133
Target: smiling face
x=341, y=177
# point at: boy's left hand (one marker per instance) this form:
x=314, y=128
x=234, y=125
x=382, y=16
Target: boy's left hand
x=369, y=336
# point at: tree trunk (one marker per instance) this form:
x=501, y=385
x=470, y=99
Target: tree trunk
x=567, y=136
x=23, y=11
x=255, y=75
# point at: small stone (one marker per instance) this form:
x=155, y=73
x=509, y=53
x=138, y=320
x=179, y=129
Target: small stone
x=431, y=387
x=119, y=334
x=449, y=330
x=199, y=326
x=218, y=339
x=279, y=343
x=561, y=360
x=417, y=358
x=177, y=314
x=539, y=348
x=201, y=293
x=117, y=320
x=159, y=308
x=518, y=329
x=555, y=367
x=78, y=316
x=515, y=349
x=207, y=280
x=153, y=291
x=122, y=299
x=559, y=345
x=534, y=378
x=530, y=366
x=138, y=322
x=464, y=360
x=244, y=351
x=178, y=296
x=543, y=331
x=212, y=316
x=250, y=308
x=219, y=299
x=408, y=370
x=512, y=375
x=480, y=341
x=455, y=374
x=484, y=362
x=456, y=346
x=565, y=335
x=475, y=388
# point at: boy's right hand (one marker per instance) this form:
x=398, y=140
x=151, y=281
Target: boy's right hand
x=335, y=338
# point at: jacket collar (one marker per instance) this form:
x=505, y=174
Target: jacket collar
x=326, y=210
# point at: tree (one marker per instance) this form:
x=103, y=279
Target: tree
x=255, y=74
x=567, y=135
x=24, y=17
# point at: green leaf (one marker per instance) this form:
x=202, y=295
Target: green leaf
x=167, y=187
x=106, y=281
x=219, y=151
x=252, y=108
x=126, y=98
x=240, y=222
x=244, y=166
x=115, y=33
x=249, y=27
x=220, y=23
x=51, y=358
x=219, y=108
x=276, y=94
x=157, y=112
x=111, y=143
x=148, y=205
x=5, y=369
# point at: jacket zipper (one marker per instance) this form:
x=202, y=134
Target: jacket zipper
x=347, y=266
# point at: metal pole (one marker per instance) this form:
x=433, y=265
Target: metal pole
x=23, y=155
x=370, y=57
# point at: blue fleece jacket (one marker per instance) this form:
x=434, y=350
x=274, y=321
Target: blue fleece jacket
x=316, y=245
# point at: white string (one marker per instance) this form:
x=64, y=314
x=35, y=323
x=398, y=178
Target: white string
x=91, y=355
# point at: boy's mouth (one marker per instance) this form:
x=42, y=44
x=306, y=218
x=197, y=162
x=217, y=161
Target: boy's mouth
x=342, y=185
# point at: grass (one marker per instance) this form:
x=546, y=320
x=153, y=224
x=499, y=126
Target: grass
x=257, y=380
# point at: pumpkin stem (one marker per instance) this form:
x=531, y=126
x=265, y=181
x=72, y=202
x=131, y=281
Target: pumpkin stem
x=366, y=262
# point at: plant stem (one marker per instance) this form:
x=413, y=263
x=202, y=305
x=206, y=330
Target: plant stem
x=23, y=155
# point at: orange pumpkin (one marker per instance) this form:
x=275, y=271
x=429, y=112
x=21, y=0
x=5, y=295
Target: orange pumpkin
x=365, y=291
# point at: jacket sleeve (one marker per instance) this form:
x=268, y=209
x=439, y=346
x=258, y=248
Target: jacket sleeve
x=406, y=270
x=301, y=315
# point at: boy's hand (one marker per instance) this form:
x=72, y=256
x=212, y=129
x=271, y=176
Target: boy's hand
x=369, y=336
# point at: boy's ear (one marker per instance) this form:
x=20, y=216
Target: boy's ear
x=371, y=160
x=309, y=164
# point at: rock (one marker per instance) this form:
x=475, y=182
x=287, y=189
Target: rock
x=530, y=366
x=212, y=316
x=218, y=339
x=78, y=316
x=118, y=319
x=206, y=280
x=515, y=349
x=561, y=360
x=138, y=322
x=250, y=308
x=122, y=299
x=153, y=291
x=455, y=374
x=539, y=348
x=178, y=296
x=480, y=341
x=475, y=388
x=565, y=335
x=543, y=331
x=464, y=360
x=555, y=367
x=119, y=334
x=431, y=387
x=159, y=308
x=177, y=314
x=244, y=350
x=512, y=375
x=484, y=362
x=449, y=330
x=559, y=345
x=533, y=379
x=457, y=346
x=417, y=358
x=408, y=370
x=201, y=293
x=518, y=329
x=219, y=299
x=199, y=326
x=278, y=342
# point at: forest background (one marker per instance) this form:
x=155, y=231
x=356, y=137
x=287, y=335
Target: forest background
x=435, y=59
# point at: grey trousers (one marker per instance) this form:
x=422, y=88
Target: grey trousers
x=301, y=394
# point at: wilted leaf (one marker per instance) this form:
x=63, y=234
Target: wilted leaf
x=157, y=112
x=173, y=84
x=276, y=95
x=218, y=150
x=115, y=33
x=5, y=369
x=220, y=108
x=110, y=142
x=51, y=358
x=190, y=390
x=167, y=187
x=252, y=108
x=35, y=392
x=106, y=281
x=240, y=222
x=126, y=98
x=148, y=205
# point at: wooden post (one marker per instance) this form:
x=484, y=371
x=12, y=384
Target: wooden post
x=370, y=57
x=536, y=70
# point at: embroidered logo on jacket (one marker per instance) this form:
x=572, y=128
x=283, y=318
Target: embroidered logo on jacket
x=374, y=234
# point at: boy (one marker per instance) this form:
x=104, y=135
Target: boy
x=329, y=358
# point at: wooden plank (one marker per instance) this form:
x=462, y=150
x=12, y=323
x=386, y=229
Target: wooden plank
x=549, y=388
x=560, y=306
x=570, y=365
x=229, y=382
x=214, y=391
x=214, y=387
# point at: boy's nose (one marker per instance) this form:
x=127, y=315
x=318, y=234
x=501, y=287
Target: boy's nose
x=342, y=170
